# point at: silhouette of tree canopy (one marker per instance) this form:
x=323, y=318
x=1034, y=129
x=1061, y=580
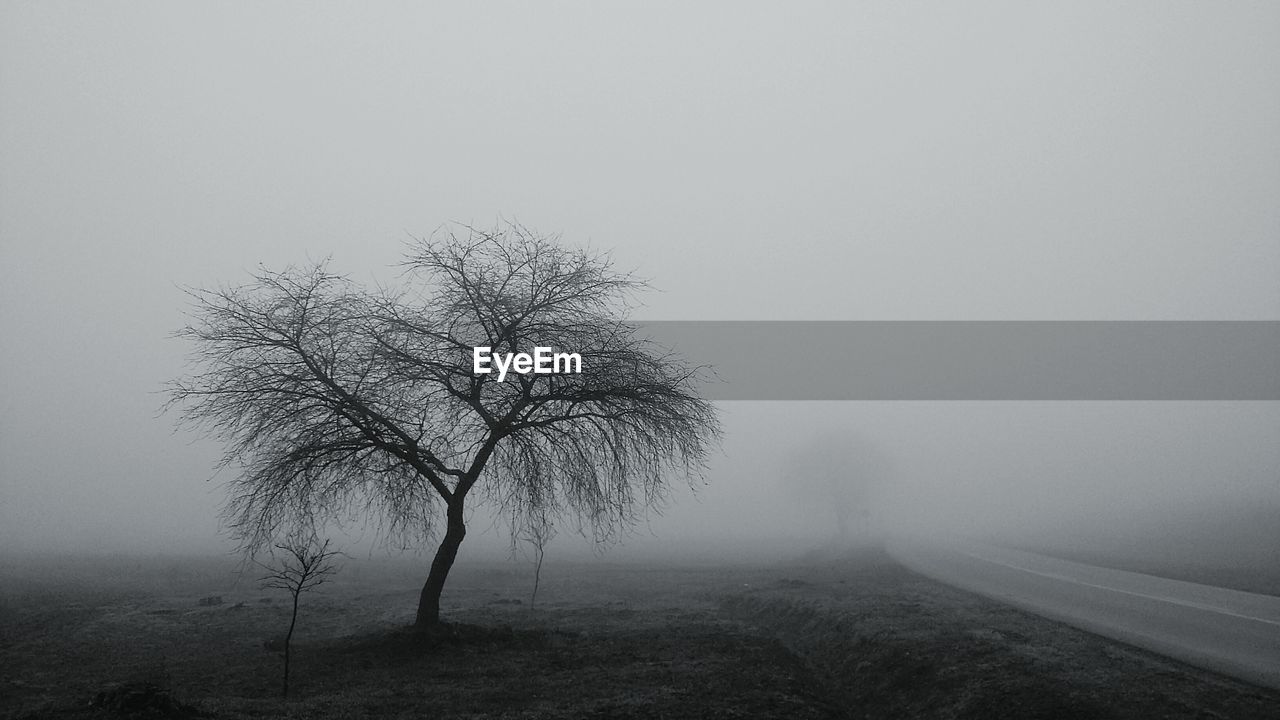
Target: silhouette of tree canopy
x=839, y=473
x=335, y=403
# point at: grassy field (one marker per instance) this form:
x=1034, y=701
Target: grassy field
x=850, y=637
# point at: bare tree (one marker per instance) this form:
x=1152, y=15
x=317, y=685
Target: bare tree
x=336, y=403
x=301, y=566
x=840, y=473
x=538, y=532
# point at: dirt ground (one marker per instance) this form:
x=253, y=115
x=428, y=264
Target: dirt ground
x=847, y=635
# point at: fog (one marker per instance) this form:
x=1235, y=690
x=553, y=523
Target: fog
x=825, y=161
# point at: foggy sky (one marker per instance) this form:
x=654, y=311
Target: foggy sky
x=756, y=161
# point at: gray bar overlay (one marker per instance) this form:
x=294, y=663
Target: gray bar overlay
x=979, y=360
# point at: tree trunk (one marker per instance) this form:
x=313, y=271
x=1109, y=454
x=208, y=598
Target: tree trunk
x=429, y=601
x=288, y=639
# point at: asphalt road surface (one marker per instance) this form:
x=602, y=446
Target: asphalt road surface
x=1233, y=632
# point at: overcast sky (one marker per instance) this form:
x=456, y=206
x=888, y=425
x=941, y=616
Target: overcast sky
x=835, y=160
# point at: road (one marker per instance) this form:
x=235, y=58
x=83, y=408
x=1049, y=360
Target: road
x=1232, y=632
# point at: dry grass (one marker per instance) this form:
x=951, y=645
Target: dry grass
x=889, y=643
x=603, y=642
x=854, y=638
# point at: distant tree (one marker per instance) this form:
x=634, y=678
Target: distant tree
x=336, y=403
x=840, y=474
x=302, y=565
